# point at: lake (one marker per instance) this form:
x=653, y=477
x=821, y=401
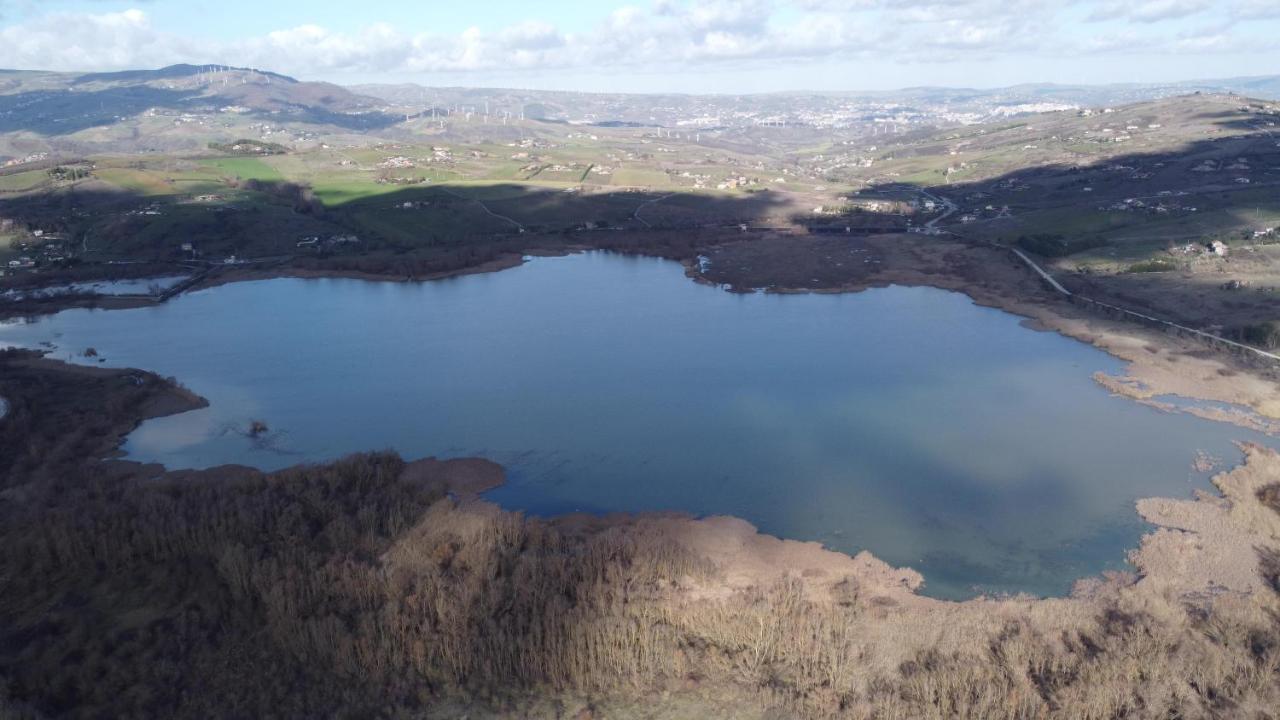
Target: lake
x=905, y=421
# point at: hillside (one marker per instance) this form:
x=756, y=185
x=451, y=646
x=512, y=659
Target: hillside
x=382, y=586
x=62, y=111
x=1126, y=203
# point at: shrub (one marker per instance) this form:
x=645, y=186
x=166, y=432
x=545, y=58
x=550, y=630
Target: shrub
x=1052, y=245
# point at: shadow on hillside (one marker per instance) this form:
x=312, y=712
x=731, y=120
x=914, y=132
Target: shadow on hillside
x=1203, y=173
x=1132, y=207
x=64, y=112
x=511, y=207
x=408, y=232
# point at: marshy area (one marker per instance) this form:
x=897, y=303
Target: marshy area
x=359, y=584
x=937, y=434
x=369, y=586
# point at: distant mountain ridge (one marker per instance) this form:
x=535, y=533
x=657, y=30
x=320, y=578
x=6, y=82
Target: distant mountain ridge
x=1263, y=86
x=189, y=105
x=62, y=103
x=169, y=72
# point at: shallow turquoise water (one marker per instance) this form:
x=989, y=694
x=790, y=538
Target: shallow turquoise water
x=905, y=421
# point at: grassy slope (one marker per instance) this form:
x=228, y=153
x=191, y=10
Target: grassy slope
x=23, y=181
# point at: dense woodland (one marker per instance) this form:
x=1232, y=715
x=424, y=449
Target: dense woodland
x=350, y=590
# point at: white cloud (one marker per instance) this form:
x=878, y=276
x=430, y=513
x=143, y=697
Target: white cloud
x=1148, y=11
x=84, y=40
x=662, y=35
x=1255, y=9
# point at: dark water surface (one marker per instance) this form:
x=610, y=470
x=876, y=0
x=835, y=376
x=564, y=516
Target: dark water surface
x=905, y=421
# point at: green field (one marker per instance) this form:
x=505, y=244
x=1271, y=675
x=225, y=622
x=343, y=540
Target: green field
x=247, y=168
x=143, y=182
x=19, y=182
x=336, y=191
x=640, y=176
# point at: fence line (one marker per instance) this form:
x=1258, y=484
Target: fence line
x=1214, y=340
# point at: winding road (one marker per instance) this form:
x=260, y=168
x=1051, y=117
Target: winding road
x=646, y=203
x=482, y=207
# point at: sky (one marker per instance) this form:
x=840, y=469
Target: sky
x=697, y=46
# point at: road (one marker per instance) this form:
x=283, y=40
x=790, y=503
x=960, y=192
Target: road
x=1041, y=272
x=1142, y=317
x=645, y=204
x=951, y=208
x=483, y=207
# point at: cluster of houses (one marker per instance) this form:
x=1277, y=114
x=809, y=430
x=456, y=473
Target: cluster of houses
x=33, y=157
x=699, y=180
x=402, y=181
x=820, y=165
x=1239, y=165
x=398, y=161
x=154, y=208
x=740, y=181
x=1159, y=207
x=986, y=212
x=316, y=241
x=50, y=249
x=1012, y=185
x=1213, y=247
x=252, y=148
x=531, y=144
x=571, y=167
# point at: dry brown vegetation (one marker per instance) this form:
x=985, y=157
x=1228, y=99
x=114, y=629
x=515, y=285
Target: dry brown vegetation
x=1270, y=496
x=358, y=589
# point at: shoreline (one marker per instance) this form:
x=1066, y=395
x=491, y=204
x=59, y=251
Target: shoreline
x=1228, y=523
x=1173, y=366
x=720, y=605
x=1158, y=362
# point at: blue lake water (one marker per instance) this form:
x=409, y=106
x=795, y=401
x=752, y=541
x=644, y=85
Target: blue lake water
x=905, y=421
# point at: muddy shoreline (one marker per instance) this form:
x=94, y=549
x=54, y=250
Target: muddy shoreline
x=731, y=616
x=1158, y=364
x=749, y=557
